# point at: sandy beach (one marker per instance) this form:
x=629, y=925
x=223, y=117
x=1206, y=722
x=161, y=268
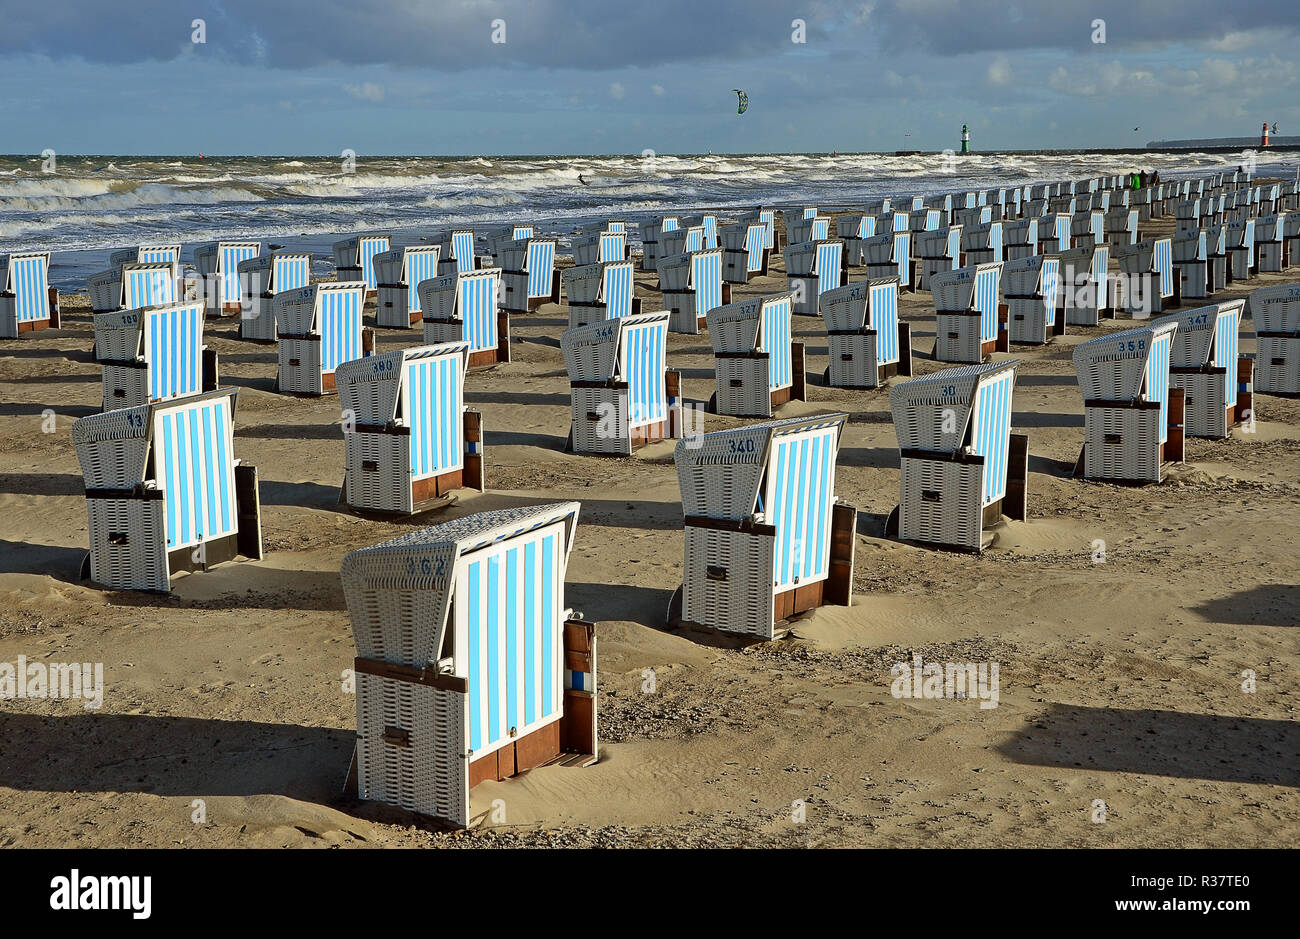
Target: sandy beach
x=1121, y=681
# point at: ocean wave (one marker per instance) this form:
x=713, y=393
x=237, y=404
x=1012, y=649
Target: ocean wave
x=144, y=195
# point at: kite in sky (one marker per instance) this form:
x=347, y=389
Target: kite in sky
x=742, y=101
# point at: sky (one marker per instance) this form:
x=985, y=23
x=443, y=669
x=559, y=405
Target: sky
x=399, y=77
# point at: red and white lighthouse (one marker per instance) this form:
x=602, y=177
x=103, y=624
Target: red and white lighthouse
x=1263, y=135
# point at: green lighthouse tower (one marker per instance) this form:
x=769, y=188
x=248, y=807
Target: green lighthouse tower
x=965, y=139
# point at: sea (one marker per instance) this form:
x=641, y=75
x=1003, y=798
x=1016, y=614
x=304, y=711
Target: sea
x=81, y=208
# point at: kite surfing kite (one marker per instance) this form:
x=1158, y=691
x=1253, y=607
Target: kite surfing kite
x=742, y=100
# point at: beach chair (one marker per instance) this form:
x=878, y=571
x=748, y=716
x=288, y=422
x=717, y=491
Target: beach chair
x=803, y=230
x=1270, y=244
x=938, y=250
x=608, y=225
x=813, y=268
x=1054, y=232
x=354, y=258
x=968, y=313
x=1089, y=223
x=1031, y=289
x=147, y=254
x=528, y=275
x=757, y=366
x=1218, y=264
x=601, y=247
x=599, y=292
x=1276, y=314
x=398, y=274
x=464, y=308
x=975, y=215
x=743, y=255
x=409, y=439
x=132, y=286
x=153, y=354
x=651, y=234
x=27, y=301
x=1021, y=238
x=709, y=223
x=217, y=264
x=1239, y=236
x=469, y=665
x=922, y=219
x=766, y=536
x=318, y=328
x=852, y=229
x=867, y=342
x=164, y=491
x=1133, y=420
x=961, y=467
x=1291, y=235
x=889, y=254
x=1085, y=294
x=261, y=278
x=982, y=244
x=1149, y=282
x=620, y=393
x=691, y=285
x=499, y=239
x=456, y=252
x=1191, y=264
x=1217, y=383
x=1121, y=227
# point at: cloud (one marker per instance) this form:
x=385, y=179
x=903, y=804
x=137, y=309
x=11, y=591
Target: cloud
x=366, y=91
x=617, y=91
x=658, y=90
x=999, y=72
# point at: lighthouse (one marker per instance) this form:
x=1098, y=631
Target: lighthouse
x=965, y=138
x=1263, y=135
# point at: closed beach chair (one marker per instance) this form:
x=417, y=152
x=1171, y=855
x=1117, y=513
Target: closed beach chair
x=132, y=286
x=961, y=467
x=399, y=273
x=354, y=258
x=598, y=292
x=1085, y=283
x=967, y=306
x=499, y=239
x=852, y=229
x=464, y=308
x=153, y=354
x=148, y=254
x=1021, y=238
x=1217, y=382
x=1191, y=263
x=691, y=285
x=813, y=268
x=456, y=252
x=1276, y=314
x=982, y=243
x=528, y=275
x=744, y=254
x=1133, y=421
x=164, y=491
x=600, y=247
x=867, y=342
x=27, y=301
x=318, y=328
x=1054, y=232
x=681, y=240
x=621, y=395
x=652, y=233
x=469, y=665
x=409, y=440
x=1121, y=226
x=709, y=224
x=1089, y=223
x=757, y=366
x=936, y=251
x=802, y=230
x=1031, y=289
x=766, y=536
x=889, y=254
x=922, y=219
x=1291, y=235
x=1149, y=282
x=1270, y=244
x=218, y=266
x=261, y=278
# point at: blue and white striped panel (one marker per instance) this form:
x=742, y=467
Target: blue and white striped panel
x=195, y=468
x=420, y=266
x=367, y=247
x=801, y=482
x=1050, y=287
x=521, y=232
x=995, y=240
x=173, y=349
x=617, y=288
x=612, y=246
x=829, y=257
x=613, y=226
x=706, y=279
x=339, y=324
x=1226, y=331
x=776, y=343
x=710, y=225
x=821, y=228
x=954, y=246
x=434, y=412
x=768, y=218
x=985, y=298
x=867, y=226
x=1100, y=283
x=1157, y=379
x=159, y=254
x=462, y=246
x=152, y=286
x=29, y=282
x=1162, y=260
x=694, y=240
x=476, y=297
x=290, y=273
x=669, y=224
x=1249, y=240
x=1062, y=232
x=991, y=430
x=642, y=354
x=903, y=254
x=932, y=220
x=883, y=307
x=541, y=268
x=810, y=212
x=231, y=256
x=512, y=595
x=754, y=237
